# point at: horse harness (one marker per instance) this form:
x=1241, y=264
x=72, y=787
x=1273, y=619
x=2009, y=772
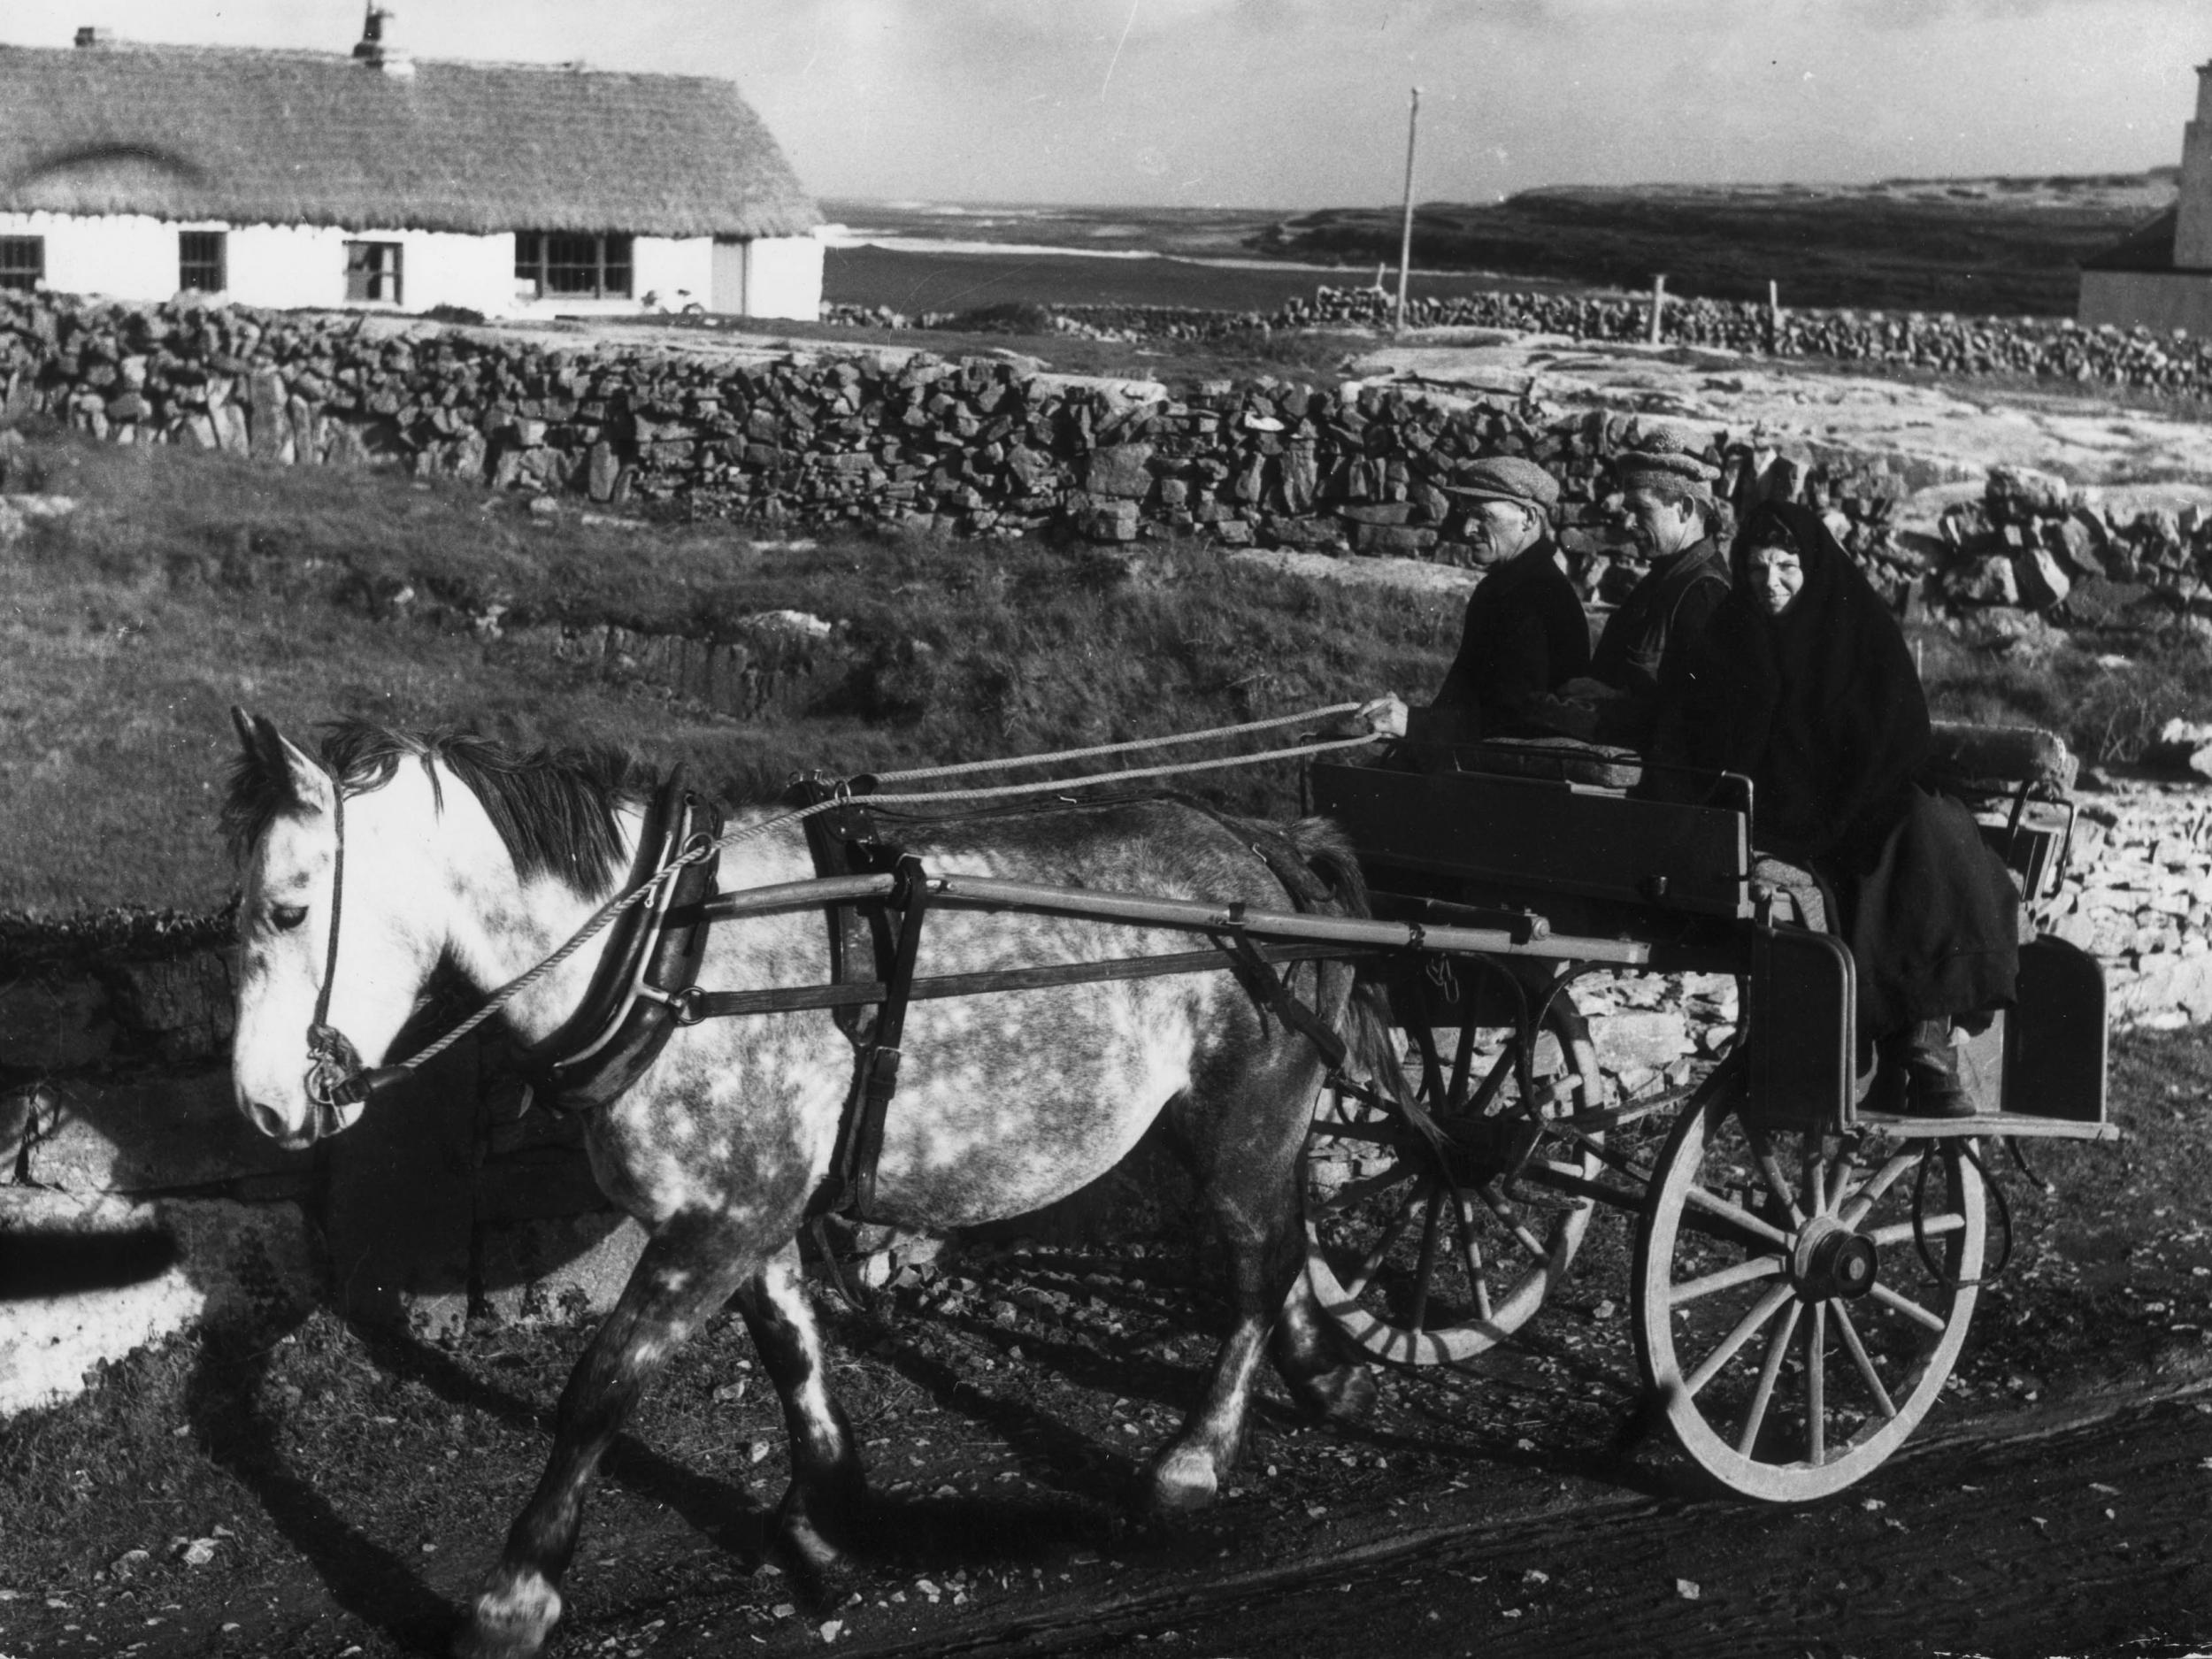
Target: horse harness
x=646, y=982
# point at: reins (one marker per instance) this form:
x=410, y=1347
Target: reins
x=337, y=1077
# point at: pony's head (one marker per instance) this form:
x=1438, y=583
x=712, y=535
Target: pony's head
x=486, y=874
x=292, y=833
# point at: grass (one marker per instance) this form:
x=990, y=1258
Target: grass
x=2108, y=712
x=186, y=583
x=1319, y=356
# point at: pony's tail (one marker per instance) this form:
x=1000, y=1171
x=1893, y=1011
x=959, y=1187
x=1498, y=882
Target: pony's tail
x=1368, y=1029
x=1322, y=847
x=1370, y=1036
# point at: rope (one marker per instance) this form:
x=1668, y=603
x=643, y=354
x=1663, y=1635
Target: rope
x=606, y=913
x=1169, y=741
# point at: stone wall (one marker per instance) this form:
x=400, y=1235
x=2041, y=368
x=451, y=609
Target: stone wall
x=987, y=444
x=2172, y=363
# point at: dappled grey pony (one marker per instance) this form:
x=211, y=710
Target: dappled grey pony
x=459, y=853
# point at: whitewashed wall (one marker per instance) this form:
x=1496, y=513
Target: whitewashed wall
x=133, y=256
x=769, y=276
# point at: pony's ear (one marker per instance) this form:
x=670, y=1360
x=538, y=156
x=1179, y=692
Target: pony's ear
x=306, y=786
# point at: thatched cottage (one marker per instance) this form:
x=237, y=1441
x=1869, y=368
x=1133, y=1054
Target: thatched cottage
x=2161, y=275
x=371, y=180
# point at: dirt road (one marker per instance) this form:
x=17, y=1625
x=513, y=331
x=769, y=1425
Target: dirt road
x=2086, y=1533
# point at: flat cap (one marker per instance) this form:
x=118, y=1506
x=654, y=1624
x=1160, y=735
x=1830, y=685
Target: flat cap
x=1666, y=469
x=1507, y=478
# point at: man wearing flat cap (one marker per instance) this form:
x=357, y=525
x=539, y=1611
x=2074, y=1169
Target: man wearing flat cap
x=1668, y=496
x=1525, y=636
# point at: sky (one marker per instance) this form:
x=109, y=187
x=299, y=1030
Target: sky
x=1302, y=104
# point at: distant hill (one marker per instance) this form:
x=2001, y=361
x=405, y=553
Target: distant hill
x=1983, y=245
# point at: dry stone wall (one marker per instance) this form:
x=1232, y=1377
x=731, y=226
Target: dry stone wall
x=2047, y=347
x=987, y=444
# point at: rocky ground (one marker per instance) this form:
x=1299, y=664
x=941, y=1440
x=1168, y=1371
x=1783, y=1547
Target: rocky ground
x=332, y=1493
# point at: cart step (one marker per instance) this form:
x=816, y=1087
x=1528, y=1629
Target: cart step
x=2017, y=1124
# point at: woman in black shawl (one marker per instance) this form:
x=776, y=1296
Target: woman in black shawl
x=1805, y=686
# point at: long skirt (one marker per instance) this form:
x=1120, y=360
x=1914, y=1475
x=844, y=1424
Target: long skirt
x=1933, y=921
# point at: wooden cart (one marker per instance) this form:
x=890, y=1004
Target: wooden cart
x=1806, y=1263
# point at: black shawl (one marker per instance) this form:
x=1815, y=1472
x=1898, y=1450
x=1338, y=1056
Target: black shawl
x=1820, y=706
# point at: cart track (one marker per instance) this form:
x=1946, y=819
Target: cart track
x=2079, y=1531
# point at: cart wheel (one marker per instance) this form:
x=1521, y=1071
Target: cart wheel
x=1408, y=1271
x=1786, y=1320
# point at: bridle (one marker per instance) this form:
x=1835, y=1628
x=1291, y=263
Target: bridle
x=336, y=1076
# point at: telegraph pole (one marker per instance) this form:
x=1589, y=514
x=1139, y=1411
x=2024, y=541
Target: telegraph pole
x=1405, y=239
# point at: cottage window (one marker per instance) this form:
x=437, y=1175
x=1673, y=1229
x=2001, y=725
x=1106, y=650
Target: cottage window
x=584, y=267
x=372, y=272
x=200, y=261
x=22, y=262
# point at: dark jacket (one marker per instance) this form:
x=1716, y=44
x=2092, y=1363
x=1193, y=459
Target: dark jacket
x=1525, y=637
x=1823, y=709
x=1666, y=614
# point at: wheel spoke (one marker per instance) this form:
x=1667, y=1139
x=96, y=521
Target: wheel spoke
x=1778, y=1183
x=1745, y=1329
x=1425, y=1265
x=1934, y=1227
x=1755, y=1414
x=1816, y=1181
x=1846, y=1167
x=1712, y=1204
x=1748, y=1273
x=1817, y=1387
x=1856, y=1348
x=1879, y=1182
x=1358, y=1192
x=1470, y=1254
x=1383, y=1247
x=1905, y=1305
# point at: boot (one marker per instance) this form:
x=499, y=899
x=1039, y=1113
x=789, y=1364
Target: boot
x=1931, y=1071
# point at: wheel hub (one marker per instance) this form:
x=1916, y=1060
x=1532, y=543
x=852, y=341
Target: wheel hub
x=1829, y=1261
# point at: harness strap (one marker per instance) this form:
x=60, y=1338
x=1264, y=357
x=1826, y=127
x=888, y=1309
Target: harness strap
x=852, y=1178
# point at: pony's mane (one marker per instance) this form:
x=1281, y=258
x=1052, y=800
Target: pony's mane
x=555, y=811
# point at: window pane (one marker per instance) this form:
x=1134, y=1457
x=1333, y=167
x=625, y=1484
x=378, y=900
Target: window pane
x=22, y=262
x=372, y=272
x=200, y=260
x=617, y=279
x=529, y=255
x=571, y=265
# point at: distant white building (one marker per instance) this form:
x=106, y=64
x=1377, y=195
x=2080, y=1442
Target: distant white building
x=287, y=179
x=2161, y=275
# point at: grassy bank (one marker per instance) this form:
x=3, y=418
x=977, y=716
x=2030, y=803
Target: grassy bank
x=184, y=583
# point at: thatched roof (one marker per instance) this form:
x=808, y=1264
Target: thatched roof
x=311, y=138
x=2148, y=246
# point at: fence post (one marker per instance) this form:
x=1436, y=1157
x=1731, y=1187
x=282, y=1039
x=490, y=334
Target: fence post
x=1658, y=304
x=1774, y=316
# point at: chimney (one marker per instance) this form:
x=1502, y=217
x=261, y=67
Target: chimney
x=91, y=36
x=377, y=50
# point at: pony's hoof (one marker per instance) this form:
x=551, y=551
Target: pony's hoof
x=816, y=1532
x=511, y=1619
x=1184, y=1481
x=1343, y=1395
